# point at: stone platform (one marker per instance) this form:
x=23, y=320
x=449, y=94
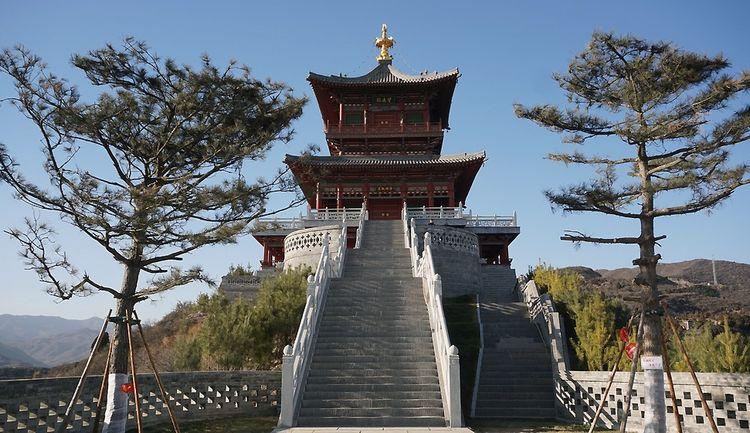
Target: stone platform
x=373, y=430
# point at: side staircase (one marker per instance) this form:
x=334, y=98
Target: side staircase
x=516, y=379
x=373, y=364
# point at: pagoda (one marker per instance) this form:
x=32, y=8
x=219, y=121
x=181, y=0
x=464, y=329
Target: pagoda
x=384, y=131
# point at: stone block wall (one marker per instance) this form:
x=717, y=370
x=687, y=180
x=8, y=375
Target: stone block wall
x=578, y=394
x=37, y=405
x=455, y=253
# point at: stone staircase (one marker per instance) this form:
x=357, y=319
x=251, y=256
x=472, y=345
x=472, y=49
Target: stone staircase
x=373, y=364
x=516, y=376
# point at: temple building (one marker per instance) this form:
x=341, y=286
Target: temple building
x=384, y=131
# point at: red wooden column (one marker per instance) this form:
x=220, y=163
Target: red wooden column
x=266, y=256
x=430, y=194
x=504, y=256
x=427, y=112
x=404, y=191
x=339, y=196
x=451, y=195
x=341, y=115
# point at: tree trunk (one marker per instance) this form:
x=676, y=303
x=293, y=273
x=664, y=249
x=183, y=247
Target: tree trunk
x=116, y=415
x=653, y=386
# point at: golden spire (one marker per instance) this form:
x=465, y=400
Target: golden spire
x=384, y=42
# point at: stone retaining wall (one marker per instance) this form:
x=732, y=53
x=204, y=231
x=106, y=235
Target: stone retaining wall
x=455, y=253
x=37, y=405
x=578, y=394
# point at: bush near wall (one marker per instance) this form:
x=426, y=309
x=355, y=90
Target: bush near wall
x=591, y=322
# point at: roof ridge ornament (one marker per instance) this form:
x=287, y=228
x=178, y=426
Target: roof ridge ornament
x=384, y=42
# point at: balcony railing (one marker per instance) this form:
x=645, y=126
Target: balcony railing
x=371, y=128
x=443, y=212
x=314, y=217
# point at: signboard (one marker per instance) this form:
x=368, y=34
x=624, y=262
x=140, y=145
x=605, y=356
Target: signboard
x=652, y=363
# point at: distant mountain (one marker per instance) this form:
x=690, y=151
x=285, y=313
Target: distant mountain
x=13, y=357
x=45, y=340
x=688, y=287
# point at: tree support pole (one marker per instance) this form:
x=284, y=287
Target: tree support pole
x=668, y=371
x=133, y=372
x=164, y=394
x=79, y=388
x=609, y=383
x=633, y=369
x=102, y=390
x=706, y=409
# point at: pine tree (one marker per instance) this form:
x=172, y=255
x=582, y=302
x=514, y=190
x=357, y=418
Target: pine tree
x=150, y=171
x=674, y=114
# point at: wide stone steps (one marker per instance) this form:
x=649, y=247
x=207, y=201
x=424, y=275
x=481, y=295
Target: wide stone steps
x=376, y=403
x=373, y=363
x=391, y=411
x=516, y=376
x=375, y=420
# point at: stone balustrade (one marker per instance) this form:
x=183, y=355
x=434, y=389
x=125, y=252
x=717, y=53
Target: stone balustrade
x=578, y=393
x=37, y=405
x=303, y=247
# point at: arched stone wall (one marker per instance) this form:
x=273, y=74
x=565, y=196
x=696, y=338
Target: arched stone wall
x=303, y=247
x=455, y=252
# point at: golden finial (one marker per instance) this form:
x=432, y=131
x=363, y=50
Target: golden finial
x=384, y=42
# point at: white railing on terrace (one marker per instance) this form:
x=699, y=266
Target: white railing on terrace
x=296, y=357
x=446, y=354
x=335, y=214
x=442, y=212
x=302, y=221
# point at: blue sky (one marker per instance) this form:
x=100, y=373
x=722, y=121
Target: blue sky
x=506, y=51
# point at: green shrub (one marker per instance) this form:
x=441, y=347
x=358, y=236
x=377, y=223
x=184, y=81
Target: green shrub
x=719, y=352
x=590, y=320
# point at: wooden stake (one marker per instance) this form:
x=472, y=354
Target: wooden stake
x=164, y=394
x=609, y=383
x=668, y=370
x=79, y=388
x=633, y=369
x=706, y=409
x=102, y=389
x=134, y=373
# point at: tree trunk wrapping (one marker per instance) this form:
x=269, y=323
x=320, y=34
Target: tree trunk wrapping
x=115, y=417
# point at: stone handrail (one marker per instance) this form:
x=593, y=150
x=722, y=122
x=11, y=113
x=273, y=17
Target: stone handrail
x=364, y=215
x=491, y=220
x=454, y=239
x=37, y=405
x=296, y=357
x=436, y=212
x=478, y=370
x=335, y=214
x=543, y=314
x=446, y=354
x=442, y=212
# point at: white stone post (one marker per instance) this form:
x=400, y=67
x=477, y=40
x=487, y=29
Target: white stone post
x=454, y=373
x=438, y=285
x=286, y=417
x=460, y=213
x=515, y=219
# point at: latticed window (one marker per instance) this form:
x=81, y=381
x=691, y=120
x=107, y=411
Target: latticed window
x=354, y=118
x=414, y=117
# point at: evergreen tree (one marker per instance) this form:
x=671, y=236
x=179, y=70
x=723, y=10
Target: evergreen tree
x=668, y=108
x=150, y=171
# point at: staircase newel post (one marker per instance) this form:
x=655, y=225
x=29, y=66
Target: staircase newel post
x=287, y=388
x=454, y=372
